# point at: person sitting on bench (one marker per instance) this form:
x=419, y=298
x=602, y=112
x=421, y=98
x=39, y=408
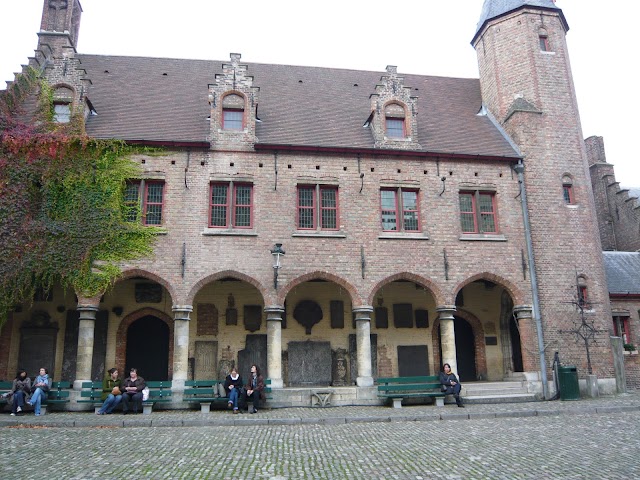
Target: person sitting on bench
x=450, y=384
x=254, y=388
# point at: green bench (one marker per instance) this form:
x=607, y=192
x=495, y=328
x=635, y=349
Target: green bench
x=5, y=388
x=159, y=392
x=58, y=395
x=205, y=393
x=399, y=388
x=91, y=393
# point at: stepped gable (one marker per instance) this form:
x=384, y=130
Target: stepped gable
x=166, y=100
x=622, y=272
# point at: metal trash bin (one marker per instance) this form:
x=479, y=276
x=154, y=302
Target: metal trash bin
x=568, y=381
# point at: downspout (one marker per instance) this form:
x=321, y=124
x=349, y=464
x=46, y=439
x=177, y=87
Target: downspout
x=519, y=169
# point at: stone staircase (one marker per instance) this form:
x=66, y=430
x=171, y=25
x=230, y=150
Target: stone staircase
x=496, y=392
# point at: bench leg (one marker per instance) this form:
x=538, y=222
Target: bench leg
x=97, y=408
x=397, y=402
x=43, y=409
x=205, y=407
x=146, y=409
x=439, y=401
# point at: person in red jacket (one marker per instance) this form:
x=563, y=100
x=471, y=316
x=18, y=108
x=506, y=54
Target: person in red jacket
x=255, y=388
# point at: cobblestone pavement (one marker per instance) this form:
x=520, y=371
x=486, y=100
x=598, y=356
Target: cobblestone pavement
x=542, y=440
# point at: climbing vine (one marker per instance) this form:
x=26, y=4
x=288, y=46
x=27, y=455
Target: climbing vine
x=63, y=218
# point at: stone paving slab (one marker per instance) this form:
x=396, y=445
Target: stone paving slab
x=629, y=402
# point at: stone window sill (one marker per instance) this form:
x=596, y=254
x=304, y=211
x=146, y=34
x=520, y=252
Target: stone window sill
x=403, y=236
x=230, y=233
x=479, y=237
x=337, y=234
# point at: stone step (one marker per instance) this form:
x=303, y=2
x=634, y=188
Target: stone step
x=508, y=398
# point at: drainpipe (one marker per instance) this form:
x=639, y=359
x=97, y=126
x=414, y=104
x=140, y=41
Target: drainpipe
x=519, y=169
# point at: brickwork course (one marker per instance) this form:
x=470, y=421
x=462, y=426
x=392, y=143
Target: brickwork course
x=302, y=127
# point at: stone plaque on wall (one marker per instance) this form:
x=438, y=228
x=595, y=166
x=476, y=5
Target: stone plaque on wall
x=422, y=318
x=336, y=309
x=353, y=356
x=38, y=343
x=254, y=353
x=413, y=360
x=381, y=315
x=148, y=293
x=402, y=315
x=207, y=319
x=252, y=317
x=309, y=363
x=231, y=314
x=206, y=360
x=307, y=313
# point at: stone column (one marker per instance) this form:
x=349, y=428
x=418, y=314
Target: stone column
x=363, y=345
x=447, y=337
x=274, y=345
x=528, y=337
x=180, y=347
x=87, y=308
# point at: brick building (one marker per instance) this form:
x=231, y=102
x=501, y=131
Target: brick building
x=398, y=199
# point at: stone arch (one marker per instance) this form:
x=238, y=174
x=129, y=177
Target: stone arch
x=478, y=341
x=514, y=291
x=356, y=299
x=219, y=276
x=121, y=336
x=137, y=272
x=433, y=288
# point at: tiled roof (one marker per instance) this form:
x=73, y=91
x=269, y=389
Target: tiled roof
x=495, y=8
x=623, y=272
x=166, y=100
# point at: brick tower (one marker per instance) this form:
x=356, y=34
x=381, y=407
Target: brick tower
x=527, y=87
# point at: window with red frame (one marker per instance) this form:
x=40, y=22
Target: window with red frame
x=399, y=210
x=567, y=189
x=583, y=297
x=231, y=205
x=317, y=207
x=478, y=212
x=544, y=43
x=233, y=112
x=621, y=329
x=144, y=199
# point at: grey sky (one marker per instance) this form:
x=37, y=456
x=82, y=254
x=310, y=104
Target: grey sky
x=419, y=36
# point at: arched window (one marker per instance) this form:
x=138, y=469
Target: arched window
x=62, y=101
x=583, y=296
x=567, y=189
x=395, y=121
x=544, y=40
x=233, y=112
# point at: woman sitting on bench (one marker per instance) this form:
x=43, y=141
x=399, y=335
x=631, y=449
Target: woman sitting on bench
x=450, y=384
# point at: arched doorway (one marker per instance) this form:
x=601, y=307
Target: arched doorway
x=148, y=348
x=516, y=346
x=465, y=350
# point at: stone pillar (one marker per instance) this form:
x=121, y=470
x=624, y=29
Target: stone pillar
x=363, y=345
x=528, y=337
x=447, y=337
x=87, y=308
x=180, y=347
x=274, y=345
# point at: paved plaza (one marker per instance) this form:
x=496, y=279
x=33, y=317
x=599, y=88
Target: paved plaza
x=554, y=440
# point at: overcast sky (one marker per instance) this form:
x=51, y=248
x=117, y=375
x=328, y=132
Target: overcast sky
x=429, y=37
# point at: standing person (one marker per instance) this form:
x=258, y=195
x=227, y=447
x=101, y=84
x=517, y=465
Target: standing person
x=255, y=387
x=40, y=389
x=132, y=391
x=20, y=391
x=450, y=384
x=233, y=387
x=111, y=393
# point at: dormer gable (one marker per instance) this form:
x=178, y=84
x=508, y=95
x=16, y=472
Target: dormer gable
x=234, y=104
x=394, y=111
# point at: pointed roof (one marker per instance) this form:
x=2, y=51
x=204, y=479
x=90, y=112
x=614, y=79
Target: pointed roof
x=497, y=8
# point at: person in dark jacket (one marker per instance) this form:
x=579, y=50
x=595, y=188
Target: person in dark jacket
x=450, y=384
x=20, y=392
x=233, y=387
x=111, y=393
x=132, y=388
x=255, y=388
